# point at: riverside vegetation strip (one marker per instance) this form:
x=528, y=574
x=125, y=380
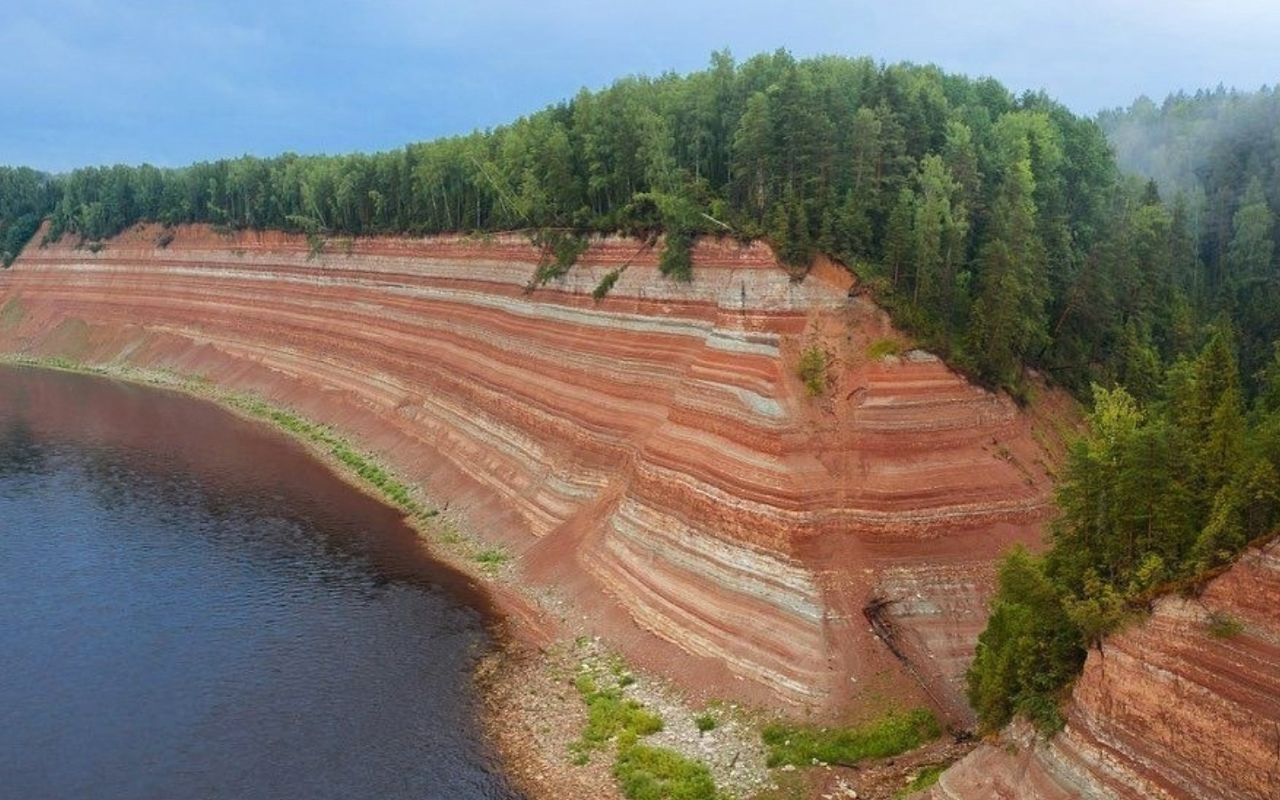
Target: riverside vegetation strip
x=363, y=469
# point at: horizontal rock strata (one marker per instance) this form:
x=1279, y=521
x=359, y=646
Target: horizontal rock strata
x=651, y=456
x=1168, y=710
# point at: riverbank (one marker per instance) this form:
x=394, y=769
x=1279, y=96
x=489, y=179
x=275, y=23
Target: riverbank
x=532, y=709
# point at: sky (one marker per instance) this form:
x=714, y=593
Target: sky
x=170, y=82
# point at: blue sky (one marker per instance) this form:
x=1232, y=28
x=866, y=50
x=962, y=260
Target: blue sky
x=93, y=81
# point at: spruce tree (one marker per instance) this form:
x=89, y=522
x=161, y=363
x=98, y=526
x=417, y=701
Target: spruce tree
x=1009, y=314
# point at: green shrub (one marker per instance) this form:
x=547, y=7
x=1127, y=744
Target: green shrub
x=492, y=557
x=561, y=250
x=676, y=260
x=1029, y=651
x=813, y=370
x=883, y=347
x=1224, y=626
x=922, y=780
x=315, y=245
x=894, y=733
x=705, y=723
x=656, y=773
x=609, y=714
x=606, y=284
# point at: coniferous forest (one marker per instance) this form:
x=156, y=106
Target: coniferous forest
x=1129, y=258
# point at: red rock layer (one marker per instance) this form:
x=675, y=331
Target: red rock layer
x=652, y=456
x=1165, y=710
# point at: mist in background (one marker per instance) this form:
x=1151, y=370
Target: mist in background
x=92, y=82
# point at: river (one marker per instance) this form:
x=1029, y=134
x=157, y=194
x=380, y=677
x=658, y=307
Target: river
x=192, y=606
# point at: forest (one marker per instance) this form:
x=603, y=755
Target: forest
x=1178, y=470
x=1130, y=258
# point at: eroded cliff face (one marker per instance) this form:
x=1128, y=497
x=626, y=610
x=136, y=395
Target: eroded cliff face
x=1177, y=707
x=651, y=459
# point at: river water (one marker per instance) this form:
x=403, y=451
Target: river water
x=193, y=607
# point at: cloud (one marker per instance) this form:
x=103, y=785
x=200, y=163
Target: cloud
x=174, y=82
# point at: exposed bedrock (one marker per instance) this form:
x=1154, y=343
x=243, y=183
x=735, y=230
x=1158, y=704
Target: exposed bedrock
x=652, y=458
x=1184, y=706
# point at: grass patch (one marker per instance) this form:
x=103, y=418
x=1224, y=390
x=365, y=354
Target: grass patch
x=813, y=370
x=642, y=772
x=1224, y=626
x=705, y=723
x=656, y=773
x=894, y=733
x=610, y=715
x=50, y=362
x=883, y=347
x=923, y=780
x=493, y=557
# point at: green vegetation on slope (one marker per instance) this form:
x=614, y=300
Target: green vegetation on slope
x=894, y=733
x=812, y=370
x=1179, y=469
x=25, y=197
x=643, y=772
x=923, y=780
x=1155, y=496
x=362, y=466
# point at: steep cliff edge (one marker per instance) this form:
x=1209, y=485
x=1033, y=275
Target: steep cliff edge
x=1185, y=705
x=651, y=459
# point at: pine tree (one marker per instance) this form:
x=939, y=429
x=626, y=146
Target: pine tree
x=1028, y=651
x=1009, y=316
x=1139, y=368
x=898, y=241
x=937, y=239
x=1249, y=256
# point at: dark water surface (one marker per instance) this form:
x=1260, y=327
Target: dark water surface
x=192, y=607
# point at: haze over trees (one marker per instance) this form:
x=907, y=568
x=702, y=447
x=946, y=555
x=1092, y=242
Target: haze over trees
x=1216, y=156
